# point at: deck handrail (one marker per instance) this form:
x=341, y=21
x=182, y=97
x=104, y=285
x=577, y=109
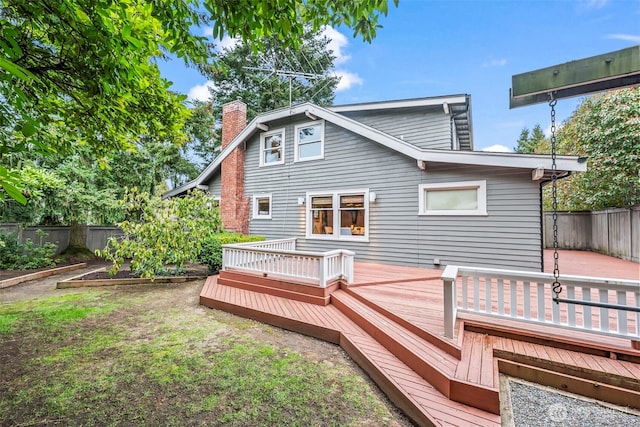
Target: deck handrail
x=266, y=257
x=599, y=305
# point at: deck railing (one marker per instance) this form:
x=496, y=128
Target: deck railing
x=280, y=257
x=599, y=305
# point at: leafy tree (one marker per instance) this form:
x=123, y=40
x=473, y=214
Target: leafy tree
x=605, y=129
x=275, y=76
x=202, y=147
x=163, y=234
x=528, y=141
x=85, y=69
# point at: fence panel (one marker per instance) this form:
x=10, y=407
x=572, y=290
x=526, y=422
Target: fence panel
x=614, y=232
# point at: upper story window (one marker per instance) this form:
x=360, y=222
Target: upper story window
x=342, y=215
x=309, y=141
x=272, y=148
x=453, y=198
x=262, y=206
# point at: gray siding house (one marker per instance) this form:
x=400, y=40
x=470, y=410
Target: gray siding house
x=395, y=182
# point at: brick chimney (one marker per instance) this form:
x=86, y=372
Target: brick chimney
x=234, y=206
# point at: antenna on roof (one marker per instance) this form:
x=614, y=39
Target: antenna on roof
x=289, y=74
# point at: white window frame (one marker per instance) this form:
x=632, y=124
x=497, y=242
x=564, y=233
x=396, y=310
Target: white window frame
x=255, y=212
x=480, y=186
x=297, y=128
x=336, y=215
x=263, y=137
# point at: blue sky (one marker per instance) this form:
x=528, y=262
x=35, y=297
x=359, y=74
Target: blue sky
x=432, y=48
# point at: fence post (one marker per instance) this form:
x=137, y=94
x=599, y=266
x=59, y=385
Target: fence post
x=449, y=281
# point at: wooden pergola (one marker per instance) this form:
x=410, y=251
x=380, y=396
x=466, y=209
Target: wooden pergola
x=575, y=78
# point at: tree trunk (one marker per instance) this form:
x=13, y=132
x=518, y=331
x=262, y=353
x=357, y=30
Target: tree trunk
x=78, y=238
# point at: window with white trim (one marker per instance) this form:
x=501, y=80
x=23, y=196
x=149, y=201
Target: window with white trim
x=453, y=198
x=342, y=215
x=262, y=206
x=272, y=148
x=309, y=141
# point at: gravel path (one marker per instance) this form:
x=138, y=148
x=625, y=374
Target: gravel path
x=535, y=405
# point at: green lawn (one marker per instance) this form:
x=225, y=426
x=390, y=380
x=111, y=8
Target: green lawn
x=151, y=356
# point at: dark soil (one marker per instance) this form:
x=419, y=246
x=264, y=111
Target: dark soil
x=92, y=262
x=191, y=270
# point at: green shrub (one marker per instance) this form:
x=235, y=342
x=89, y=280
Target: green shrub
x=24, y=256
x=167, y=234
x=211, y=251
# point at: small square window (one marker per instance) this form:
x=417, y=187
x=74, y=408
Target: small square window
x=309, y=141
x=262, y=206
x=454, y=198
x=272, y=148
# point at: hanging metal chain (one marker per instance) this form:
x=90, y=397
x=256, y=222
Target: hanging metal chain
x=556, y=286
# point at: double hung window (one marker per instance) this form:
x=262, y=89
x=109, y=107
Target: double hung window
x=309, y=141
x=272, y=148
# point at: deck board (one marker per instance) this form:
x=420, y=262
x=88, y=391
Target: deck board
x=415, y=296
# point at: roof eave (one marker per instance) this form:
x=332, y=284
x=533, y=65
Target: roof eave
x=510, y=160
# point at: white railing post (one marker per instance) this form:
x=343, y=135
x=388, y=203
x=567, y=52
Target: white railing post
x=347, y=266
x=322, y=272
x=225, y=258
x=450, y=303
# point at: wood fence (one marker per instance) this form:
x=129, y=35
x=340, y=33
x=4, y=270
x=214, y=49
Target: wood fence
x=97, y=236
x=614, y=232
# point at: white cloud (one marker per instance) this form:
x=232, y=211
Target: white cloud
x=495, y=63
x=226, y=42
x=626, y=37
x=498, y=148
x=347, y=80
x=200, y=92
x=337, y=43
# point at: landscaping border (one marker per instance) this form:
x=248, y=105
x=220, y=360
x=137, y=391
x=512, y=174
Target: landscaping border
x=40, y=274
x=75, y=282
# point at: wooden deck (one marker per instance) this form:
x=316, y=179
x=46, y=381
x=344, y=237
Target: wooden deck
x=390, y=321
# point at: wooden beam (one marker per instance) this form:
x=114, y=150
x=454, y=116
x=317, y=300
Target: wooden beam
x=575, y=78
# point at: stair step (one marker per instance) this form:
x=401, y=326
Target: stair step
x=422, y=402
x=277, y=287
x=427, y=360
x=415, y=396
x=440, y=342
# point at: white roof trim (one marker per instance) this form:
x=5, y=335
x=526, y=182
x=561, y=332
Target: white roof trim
x=418, y=102
x=528, y=161
x=507, y=160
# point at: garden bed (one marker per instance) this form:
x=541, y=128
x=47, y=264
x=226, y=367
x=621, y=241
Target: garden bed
x=14, y=277
x=101, y=277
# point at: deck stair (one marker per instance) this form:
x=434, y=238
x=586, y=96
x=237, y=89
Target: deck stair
x=438, y=367
x=278, y=286
x=393, y=330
